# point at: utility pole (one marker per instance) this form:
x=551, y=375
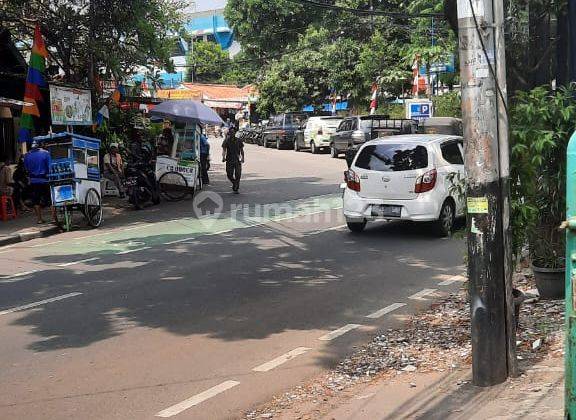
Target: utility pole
x=484, y=110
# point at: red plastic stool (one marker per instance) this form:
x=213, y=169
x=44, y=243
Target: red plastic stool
x=7, y=208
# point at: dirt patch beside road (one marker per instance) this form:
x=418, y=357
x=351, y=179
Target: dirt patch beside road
x=434, y=341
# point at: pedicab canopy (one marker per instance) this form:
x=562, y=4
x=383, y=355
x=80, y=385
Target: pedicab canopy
x=187, y=112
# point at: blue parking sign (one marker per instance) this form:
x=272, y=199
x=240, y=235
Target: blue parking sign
x=420, y=110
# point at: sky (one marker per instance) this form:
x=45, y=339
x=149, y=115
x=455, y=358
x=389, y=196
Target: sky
x=209, y=4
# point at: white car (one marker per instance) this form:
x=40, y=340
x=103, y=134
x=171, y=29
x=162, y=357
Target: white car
x=406, y=177
x=317, y=134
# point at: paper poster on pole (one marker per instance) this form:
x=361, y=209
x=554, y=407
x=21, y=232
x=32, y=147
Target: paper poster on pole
x=70, y=106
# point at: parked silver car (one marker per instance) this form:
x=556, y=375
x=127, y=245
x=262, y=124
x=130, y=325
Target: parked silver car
x=357, y=130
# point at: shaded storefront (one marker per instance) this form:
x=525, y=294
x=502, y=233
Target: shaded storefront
x=13, y=70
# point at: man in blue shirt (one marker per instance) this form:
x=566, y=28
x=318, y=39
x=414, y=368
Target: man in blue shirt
x=37, y=163
x=204, y=158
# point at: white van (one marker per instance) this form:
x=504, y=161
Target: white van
x=317, y=134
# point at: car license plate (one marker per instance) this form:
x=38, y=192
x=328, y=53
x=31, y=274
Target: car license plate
x=385, y=210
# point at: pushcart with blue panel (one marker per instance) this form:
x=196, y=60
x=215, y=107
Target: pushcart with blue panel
x=74, y=177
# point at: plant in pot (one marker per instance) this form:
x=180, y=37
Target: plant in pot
x=542, y=123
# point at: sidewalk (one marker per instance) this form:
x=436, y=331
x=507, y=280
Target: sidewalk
x=423, y=371
x=537, y=394
x=24, y=227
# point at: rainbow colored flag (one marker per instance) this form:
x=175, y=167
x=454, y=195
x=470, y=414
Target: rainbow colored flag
x=34, y=82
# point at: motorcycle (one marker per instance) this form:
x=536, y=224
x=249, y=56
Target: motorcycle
x=141, y=184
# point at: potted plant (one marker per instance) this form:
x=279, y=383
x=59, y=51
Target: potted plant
x=542, y=123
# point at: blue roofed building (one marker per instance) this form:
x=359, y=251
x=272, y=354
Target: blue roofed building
x=212, y=27
x=205, y=22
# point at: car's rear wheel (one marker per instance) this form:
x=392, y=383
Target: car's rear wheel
x=445, y=223
x=313, y=148
x=333, y=151
x=356, y=227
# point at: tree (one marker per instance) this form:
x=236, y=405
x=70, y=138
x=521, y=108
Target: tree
x=108, y=38
x=381, y=61
x=281, y=90
x=208, y=62
x=268, y=26
x=243, y=69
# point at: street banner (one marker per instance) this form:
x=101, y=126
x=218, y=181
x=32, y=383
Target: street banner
x=179, y=94
x=70, y=106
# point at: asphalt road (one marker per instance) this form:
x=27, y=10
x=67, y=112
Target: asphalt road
x=164, y=314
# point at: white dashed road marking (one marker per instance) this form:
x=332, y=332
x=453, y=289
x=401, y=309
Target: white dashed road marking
x=130, y=251
x=340, y=331
x=178, y=241
x=386, y=310
x=42, y=302
x=422, y=294
x=452, y=280
x=69, y=264
x=197, y=399
x=281, y=359
x=7, y=279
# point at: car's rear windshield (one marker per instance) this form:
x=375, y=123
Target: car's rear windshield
x=392, y=157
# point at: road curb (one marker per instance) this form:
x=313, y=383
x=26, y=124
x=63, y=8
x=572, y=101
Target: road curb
x=28, y=236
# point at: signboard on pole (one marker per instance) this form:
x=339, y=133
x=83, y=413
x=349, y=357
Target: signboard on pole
x=419, y=109
x=446, y=65
x=70, y=106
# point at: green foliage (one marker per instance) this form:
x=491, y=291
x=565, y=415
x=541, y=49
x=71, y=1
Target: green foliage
x=110, y=37
x=242, y=70
x=542, y=123
x=378, y=61
x=315, y=52
x=208, y=62
x=448, y=105
x=393, y=110
x=281, y=90
x=268, y=26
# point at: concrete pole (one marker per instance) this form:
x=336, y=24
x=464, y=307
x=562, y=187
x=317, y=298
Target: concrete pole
x=480, y=26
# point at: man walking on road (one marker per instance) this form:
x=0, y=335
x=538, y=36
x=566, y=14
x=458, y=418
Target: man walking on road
x=233, y=155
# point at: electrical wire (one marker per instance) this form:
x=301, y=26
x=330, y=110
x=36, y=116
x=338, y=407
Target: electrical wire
x=367, y=11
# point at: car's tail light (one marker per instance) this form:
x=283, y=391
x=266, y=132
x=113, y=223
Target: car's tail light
x=426, y=182
x=352, y=180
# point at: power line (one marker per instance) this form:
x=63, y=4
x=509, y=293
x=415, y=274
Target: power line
x=368, y=12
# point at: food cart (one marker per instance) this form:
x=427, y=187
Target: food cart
x=74, y=177
x=178, y=169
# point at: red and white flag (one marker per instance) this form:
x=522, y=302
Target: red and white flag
x=374, y=99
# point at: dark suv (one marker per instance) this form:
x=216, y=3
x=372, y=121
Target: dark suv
x=281, y=129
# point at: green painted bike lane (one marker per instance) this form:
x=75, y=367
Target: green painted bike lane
x=189, y=228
